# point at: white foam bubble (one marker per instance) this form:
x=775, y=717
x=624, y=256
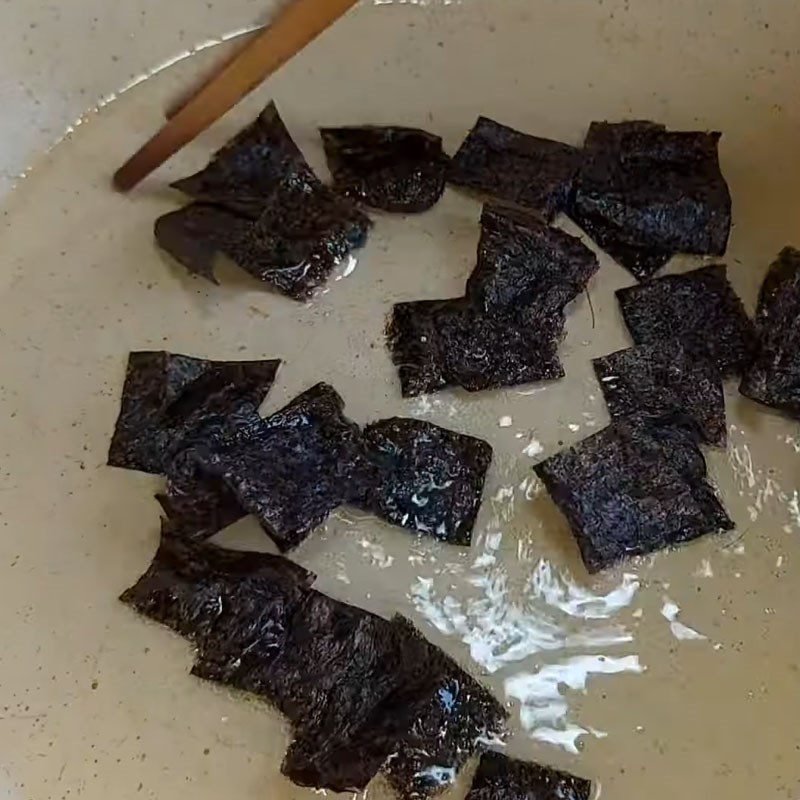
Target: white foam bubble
x=544, y=709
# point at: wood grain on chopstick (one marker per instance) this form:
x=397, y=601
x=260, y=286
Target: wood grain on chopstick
x=293, y=29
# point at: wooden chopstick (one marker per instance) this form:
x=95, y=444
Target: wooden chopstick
x=199, y=83
x=300, y=23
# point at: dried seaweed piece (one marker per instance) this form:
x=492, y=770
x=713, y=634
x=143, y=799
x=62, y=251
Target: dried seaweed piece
x=645, y=193
x=502, y=778
x=302, y=233
x=664, y=384
x=773, y=378
x=513, y=166
x=523, y=262
x=166, y=395
x=362, y=693
x=290, y=470
x=641, y=262
x=250, y=168
x=199, y=507
x=446, y=732
x=390, y=168
x=431, y=479
x=263, y=207
x=430, y=714
x=332, y=664
x=700, y=309
x=209, y=594
x=440, y=343
x=629, y=491
x=341, y=744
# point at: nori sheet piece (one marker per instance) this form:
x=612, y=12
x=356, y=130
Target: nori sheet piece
x=645, y=193
x=262, y=206
x=773, y=378
x=209, y=594
x=424, y=712
x=389, y=168
x=430, y=478
x=507, y=329
x=166, y=395
x=523, y=262
x=514, y=166
x=293, y=246
x=641, y=262
x=440, y=343
x=290, y=470
x=631, y=490
x=200, y=506
x=363, y=693
x=700, y=309
x=250, y=168
x=663, y=384
x=502, y=778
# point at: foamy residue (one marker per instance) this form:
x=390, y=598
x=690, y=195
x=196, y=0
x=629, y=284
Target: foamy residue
x=560, y=591
x=505, y=621
x=544, y=709
x=758, y=486
x=500, y=630
x=670, y=611
x=376, y=554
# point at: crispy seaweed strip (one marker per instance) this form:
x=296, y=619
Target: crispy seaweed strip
x=700, y=309
x=502, y=778
x=363, y=694
x=293, y=246
x=524, y=263
x=645, y=193
x=199, y=507
x=207, y=593
x=663, y=384
x=389, y=168
x=166, y=395
x=259, y=160
x=773, y=378
x=440, y=343
x=507, y=330
x=290, y=470
x=430, y=478
x=515, y=167
x=629, y=490
x=261, y=205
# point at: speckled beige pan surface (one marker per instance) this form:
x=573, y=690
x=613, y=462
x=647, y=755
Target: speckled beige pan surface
x=97, y=703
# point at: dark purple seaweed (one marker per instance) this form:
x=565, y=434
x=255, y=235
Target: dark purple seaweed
x=199, y=506
x=641, y=262
x=293, y=246
x=773, y=378
x=167, y=395
x=663, y=384
x=389, y=168
x=209, y=594
x=502, y=778
x=525, y=263
x=440, y=343
x=507, y=329
x=262, y=206
x=513, y=166
x=645, y=193
x=290, y=470
x=363, y=694
x=629, y=490
x=430, y=479
x=258, y=161
x=404, y=708
x=700, y=309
